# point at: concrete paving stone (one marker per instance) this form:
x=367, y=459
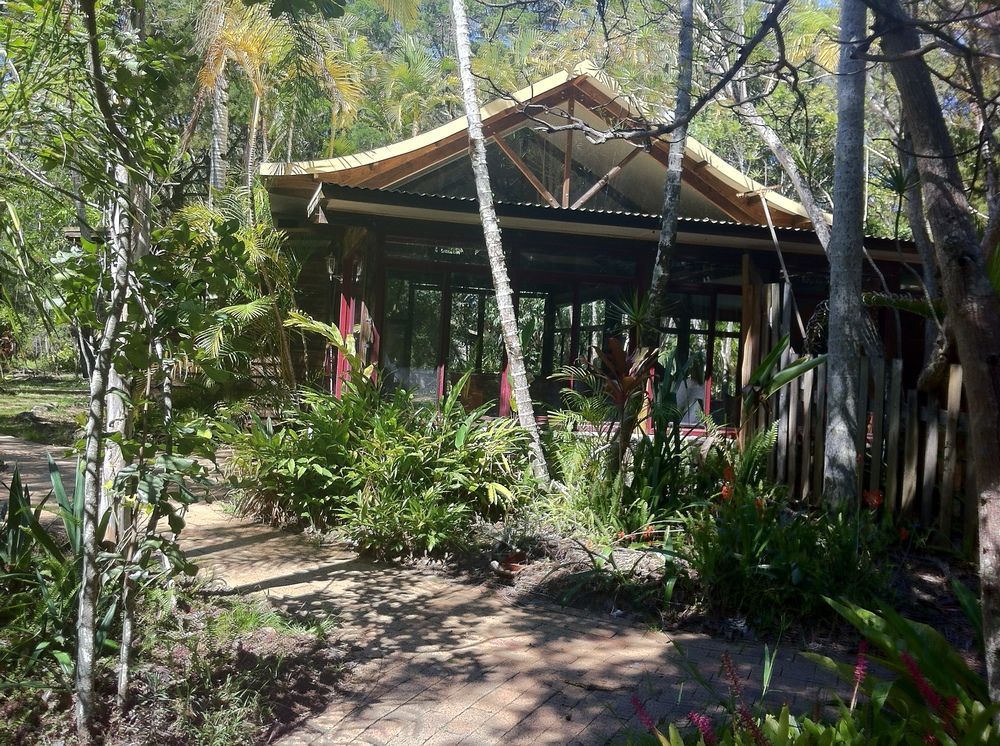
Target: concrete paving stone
x=338, y=737
x=381, y=731
x=467, y=722
x=497, y=700
x=442, y=739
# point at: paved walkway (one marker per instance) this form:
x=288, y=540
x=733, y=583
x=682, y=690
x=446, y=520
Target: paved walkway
x=440, y=661
x=32, y=465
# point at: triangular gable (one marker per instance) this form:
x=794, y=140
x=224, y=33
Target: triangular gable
x=528, y=165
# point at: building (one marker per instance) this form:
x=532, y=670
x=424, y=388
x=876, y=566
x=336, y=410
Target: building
x=392, y=251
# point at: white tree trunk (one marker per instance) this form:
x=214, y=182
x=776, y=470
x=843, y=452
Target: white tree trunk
x=86, y=625
x=675, y=165
x=494, y=244
x=846, y=253
x=747, y=112
x=252, y=144
x=220, y=136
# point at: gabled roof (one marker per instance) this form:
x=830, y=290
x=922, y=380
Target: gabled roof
x=712, y=188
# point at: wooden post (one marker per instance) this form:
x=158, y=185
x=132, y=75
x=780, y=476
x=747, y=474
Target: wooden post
x=346, y=322
x=912, y=425
x=808, y=393
x=749, y=338
x=574, y=333
x=443, y=338
x=775, y=470
x=893, y=499
x=568, y=158
x=411, y=300
x=878, y=424
x=950, y=451
x=710, y=354
x=819, y=426
x=930, y=463
x=793, y=433
x=781, y=448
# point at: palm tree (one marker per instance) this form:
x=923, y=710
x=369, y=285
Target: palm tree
x=494, y=244
x=256, y=43
x=263, y=46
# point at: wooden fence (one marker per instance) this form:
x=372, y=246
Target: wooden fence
x=914, y=444
x=914, y=447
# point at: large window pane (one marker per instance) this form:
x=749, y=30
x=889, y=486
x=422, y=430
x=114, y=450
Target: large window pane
x=412, y=335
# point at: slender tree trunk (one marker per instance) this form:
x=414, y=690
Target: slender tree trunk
x=917, y=219
x=90, y=582
x=252, y=142
x=667, y=244
x=846, y=252
x=220, y=135
x=972, y=304
x=494, y=244
x=747, y=112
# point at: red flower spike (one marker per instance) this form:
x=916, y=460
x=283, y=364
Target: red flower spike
x=735, y=688
x=750, y=725
x=931, y=697
x=644, y=717
x=861, y=666
x=704, y=725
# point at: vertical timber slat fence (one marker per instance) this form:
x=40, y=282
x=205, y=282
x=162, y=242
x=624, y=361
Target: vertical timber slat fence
x=913, y=445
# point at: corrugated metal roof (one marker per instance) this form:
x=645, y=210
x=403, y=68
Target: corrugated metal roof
x=550, y=208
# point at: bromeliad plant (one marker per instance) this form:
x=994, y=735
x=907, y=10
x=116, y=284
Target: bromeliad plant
x=40, y=581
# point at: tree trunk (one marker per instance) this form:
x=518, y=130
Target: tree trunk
x=494, y=244
x=846, y=253
x=747, y=112
x=252, y=143
x=675, y=165
x=220, y=135
x=86, y=625
x=973, y=308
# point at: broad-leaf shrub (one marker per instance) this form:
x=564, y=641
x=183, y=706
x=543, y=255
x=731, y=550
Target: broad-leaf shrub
x=755, y=556
x=392, y=475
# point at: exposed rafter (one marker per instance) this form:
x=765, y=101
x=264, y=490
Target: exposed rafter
x=606, y=179
x=526, y=171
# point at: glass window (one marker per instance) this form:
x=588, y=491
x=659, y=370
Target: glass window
x=412, y=335
x=475, y=346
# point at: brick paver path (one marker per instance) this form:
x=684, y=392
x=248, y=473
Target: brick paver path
x=434, y=660
x=441, y=661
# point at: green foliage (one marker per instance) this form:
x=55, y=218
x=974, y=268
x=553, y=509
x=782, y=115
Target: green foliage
x=931, y=696
x=393, y=476
x=754, y=554
x=932, y=692
x=39, y=582
x=768, y=379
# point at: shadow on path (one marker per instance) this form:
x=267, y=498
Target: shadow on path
x=439, y=660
